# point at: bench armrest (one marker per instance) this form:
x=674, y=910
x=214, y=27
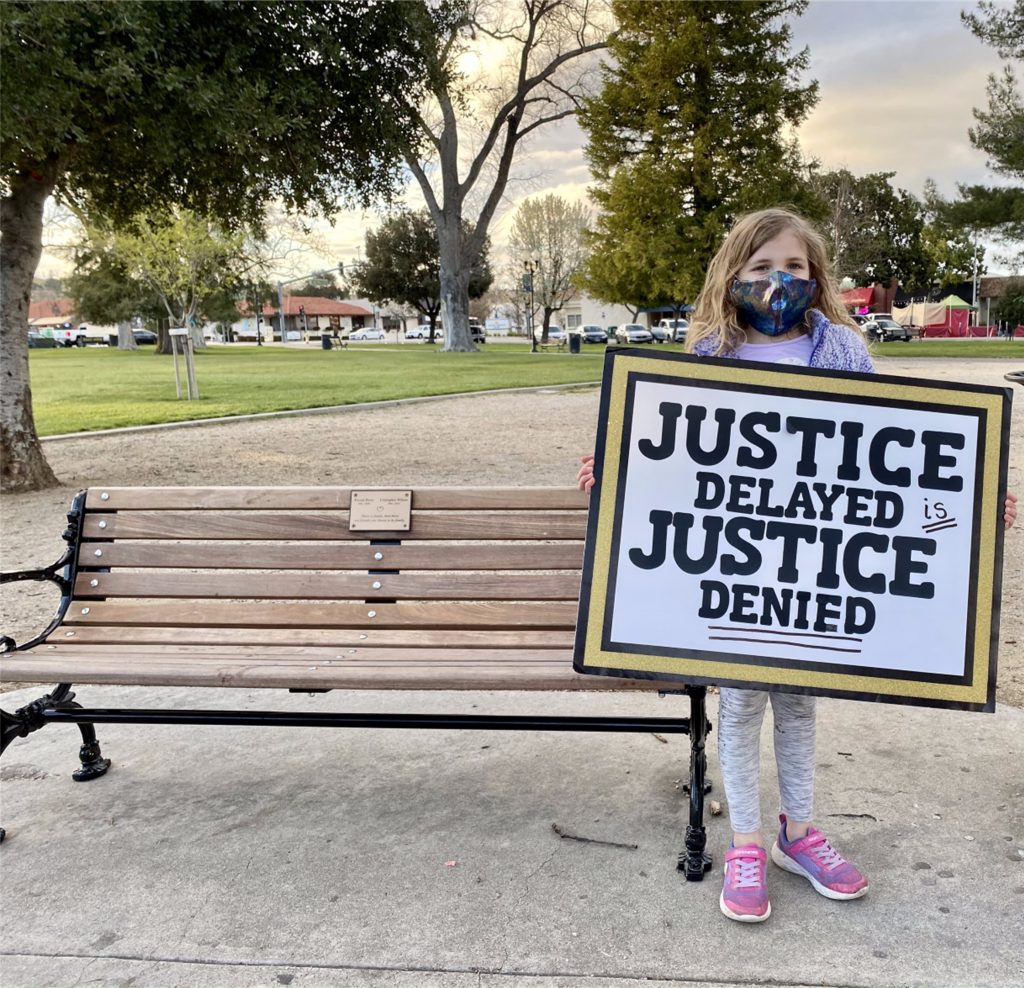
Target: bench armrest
x=62, y=573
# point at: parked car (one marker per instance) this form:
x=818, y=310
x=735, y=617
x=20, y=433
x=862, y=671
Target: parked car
x=633, y=332
x=422, y=332
x=671, y=329
x=593, y=334
x=882, y=327
x=555, y=333
x=859, y=319
x=36, y=341
x=144, y=336
x=368, y=333
x=477, y=333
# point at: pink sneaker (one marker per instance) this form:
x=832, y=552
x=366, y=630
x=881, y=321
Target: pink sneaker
x=820, y=863
x=745, y=890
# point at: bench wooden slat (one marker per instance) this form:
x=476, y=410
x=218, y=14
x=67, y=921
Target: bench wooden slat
x=329, y=498
x=317, y=556
x=363, y=652
x=517, y=669
x=302, y=637
x=330, y=586
x=430, y=614
x=333, y=526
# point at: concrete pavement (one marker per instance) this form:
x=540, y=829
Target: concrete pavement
x=249, y=856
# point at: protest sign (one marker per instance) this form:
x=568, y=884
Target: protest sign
x=781, y=528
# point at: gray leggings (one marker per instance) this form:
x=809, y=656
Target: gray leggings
x=740, y=714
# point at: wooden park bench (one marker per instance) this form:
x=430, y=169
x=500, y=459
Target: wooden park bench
x=553, y=345
x=268, y=587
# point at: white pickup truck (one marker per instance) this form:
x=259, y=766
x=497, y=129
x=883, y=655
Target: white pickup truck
x=68, y=334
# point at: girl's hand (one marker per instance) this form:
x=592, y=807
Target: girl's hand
x=585, y=478
x=1009, y=510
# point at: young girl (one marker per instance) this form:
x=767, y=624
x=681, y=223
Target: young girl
x=768, y=296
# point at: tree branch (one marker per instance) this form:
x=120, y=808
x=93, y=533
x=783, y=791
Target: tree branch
x=425, y=187
x=514, y=106
x=545, y=120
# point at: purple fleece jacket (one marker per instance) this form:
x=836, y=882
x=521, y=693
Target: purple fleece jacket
x=835, y=347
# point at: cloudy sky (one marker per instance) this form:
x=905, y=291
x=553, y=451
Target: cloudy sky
x=898, y=81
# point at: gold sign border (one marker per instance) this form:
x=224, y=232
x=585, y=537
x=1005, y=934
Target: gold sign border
x=881, y=389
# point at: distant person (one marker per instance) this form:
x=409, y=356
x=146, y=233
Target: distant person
x=769, y=296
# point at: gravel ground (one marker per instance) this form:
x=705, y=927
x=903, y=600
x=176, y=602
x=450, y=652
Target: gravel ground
x=529, y=439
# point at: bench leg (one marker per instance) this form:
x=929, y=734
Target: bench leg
x=29, y=718
x=93, y=763
x=695, y=861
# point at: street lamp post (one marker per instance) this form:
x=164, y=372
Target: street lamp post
x=256, y=309
x=531, y=268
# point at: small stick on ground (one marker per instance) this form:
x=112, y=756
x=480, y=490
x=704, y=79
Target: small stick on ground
x=565, y=835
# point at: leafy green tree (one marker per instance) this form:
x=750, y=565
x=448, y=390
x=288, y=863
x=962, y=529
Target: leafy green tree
x=403, y=264
x=954, y=257
x=1010, y=306
x=686, y=134
x=550, y=232
x=321, y=286
x=187, y=263
x=999, y=132
x=876, y=231
x=104, y=292
x=221, y=107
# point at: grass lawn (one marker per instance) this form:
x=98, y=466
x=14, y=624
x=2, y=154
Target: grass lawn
x=952, y=348
x=79, y=390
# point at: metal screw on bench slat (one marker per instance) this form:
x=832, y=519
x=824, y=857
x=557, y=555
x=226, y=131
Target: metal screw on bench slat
x=378, y=555
x=69, y=634
x=104, y=496
x=372, y=614
x=85, y=610
x=94, y=583
x=103, y=524
x=362, y=636
x=376, y=584
x=98, y=552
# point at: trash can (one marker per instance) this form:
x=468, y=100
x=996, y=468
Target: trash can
x=574, y=343
x=325, y=341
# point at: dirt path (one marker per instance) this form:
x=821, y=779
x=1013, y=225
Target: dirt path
x=529, y=439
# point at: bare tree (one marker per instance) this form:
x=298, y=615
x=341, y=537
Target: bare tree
x=550, y=232
x=535, y=66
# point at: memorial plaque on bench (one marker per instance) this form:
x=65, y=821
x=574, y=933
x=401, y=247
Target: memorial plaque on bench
x=380, y=511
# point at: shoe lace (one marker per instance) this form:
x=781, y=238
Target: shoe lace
x=828, y=857
x=746, y=873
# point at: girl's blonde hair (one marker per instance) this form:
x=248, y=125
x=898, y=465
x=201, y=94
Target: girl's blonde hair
x=714, y=313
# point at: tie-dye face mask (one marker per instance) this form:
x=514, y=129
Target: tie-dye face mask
x=773, y=305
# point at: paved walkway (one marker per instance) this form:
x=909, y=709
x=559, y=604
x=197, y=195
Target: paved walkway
x=242, y=857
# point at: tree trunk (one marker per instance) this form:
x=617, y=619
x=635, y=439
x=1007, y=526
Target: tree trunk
x=22, y=464
x=125, y=337
x=454, y=287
